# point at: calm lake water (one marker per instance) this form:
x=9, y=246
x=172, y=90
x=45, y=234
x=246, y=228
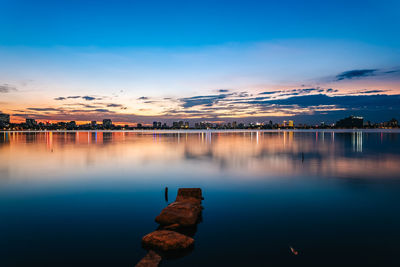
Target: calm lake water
x=87, y=198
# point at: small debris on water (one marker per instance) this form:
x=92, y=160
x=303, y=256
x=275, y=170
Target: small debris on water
x=295, y=252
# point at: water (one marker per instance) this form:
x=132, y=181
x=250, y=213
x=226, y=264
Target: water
x=87, y=198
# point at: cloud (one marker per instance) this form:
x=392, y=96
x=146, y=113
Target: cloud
x=102, y=110
x=370, y=91
x=90, y=98
x=356, y=74
x=87, y=98
x=143, y=98
x=269, y=92
x=208, y=100
x=44, y=109
x=349, y=102
x=223, y=90
x=330, y=90
x=112, y=105
x=243, y=94
x=6, y=88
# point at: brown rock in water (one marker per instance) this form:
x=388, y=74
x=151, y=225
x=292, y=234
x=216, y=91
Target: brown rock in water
x=189, y=194
x=152, y=259
x=171, y=227
x=184, y=213
x=166, y=240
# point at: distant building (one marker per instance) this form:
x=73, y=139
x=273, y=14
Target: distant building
x=4, y=120
x=139, y=125
x=30, y=122
x=350, y=122
x=393, y=123
x=107, y=123
x=291, y=124
x=93, y=123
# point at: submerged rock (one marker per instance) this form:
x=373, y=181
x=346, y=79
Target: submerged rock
x=152, y=259
x=166, y=240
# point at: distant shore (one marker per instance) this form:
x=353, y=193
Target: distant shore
x=205, y=130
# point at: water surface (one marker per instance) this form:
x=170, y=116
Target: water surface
x=87, y=198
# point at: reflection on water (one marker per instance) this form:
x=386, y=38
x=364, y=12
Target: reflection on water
x=87, y=198
x=244, y=154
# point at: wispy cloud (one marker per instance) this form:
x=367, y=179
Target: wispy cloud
x=87, y=98
x=365, y=73
x=44, y=109
x=6, y=88
x=351, y=74
x=208, y=100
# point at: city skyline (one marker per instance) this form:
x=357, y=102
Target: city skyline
x=200, y=61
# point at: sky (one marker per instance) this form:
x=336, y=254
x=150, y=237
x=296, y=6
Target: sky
x=217, y=61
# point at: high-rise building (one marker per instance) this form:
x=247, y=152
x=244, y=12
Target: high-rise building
x=4, y=120
x=351, y=122
x=291, y=124
x=107, y=124
x=30, y=122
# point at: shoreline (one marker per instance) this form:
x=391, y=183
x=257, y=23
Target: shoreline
x=394, y=130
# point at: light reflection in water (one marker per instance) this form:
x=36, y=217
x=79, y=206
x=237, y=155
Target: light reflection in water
x=242, y=155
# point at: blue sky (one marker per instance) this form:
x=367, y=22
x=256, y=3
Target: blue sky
x=140, y=60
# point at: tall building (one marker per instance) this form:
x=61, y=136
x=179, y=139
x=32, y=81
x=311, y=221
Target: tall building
x=30, y=122
x=291, y=124
x=351, y=122
x=4, y=120
x=107, y=124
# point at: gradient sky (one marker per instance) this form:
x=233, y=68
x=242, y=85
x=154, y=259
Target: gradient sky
x=137, y=61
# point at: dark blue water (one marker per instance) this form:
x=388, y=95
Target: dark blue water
x=71, y=199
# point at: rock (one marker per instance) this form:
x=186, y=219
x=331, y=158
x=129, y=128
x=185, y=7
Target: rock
x=172, y=226
x=189, y=194
x=184, y=213
x=152, y=259
x=166, y=240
